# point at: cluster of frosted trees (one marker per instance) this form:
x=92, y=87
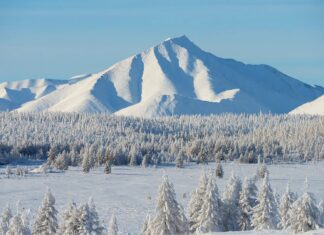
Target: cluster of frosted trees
x=82, y=220
x=240, y=207
x=69, y=138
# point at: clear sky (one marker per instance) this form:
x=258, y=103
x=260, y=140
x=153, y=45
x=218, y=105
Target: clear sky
x=62, y=38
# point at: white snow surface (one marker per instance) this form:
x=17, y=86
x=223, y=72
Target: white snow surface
x=130, y=192
x=191, y=80
x=315, y=107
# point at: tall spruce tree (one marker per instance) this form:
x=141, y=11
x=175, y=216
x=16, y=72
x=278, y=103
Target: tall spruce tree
x=169, y=216
x=196, y=202
x=46, y=221
x=286, y=202
x=265, y=214
x=304, y=214
x=246, y=203
x=5, y=220
x=113, y=226
x=231, y=197
x=210, y=218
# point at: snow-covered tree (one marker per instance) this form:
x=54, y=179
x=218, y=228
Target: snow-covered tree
x=196, y=202
x=265, y=213
x=262, y=170
x=169, y=216
x=246, y=203
x=321, y=211
x=94, y=222
x=70, y=221
x=8, y=171
x=219, y=170
x=108, y=167
x=231, y=197
x=211, y=217
x=285, y=205
x=17, y=226
x=179, y=160
x=5, y=220
x=146, y=230
x=145, y=161
x=46, y=221
x=113, y=226
x=86, y=163
x=304, y=214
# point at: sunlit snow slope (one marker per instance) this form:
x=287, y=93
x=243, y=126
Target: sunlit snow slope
x=174, y=77
x=315, y=107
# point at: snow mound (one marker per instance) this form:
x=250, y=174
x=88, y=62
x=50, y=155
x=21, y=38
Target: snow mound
x=315, y=107
x=174, y=77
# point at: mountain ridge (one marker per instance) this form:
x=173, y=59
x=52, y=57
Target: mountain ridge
x=165, y=78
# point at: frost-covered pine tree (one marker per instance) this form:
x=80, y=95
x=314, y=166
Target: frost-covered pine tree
x=321, y=211
x=210, y=218
x=196, y=202
x=219, y=170
x=19, y=224
x=231, y=197
x=262, y=170
x=246, y=203
x=8, y=171
x=179, y=160
x=286, y=202
x=108, y=167
x=265, y=213
x=169, y=216
x=86, y=163
x=5, y=220
x=113, y=226
x=146, y=230
x=145, y=161
x=70, y=221
x=304, y=214
x=46, y=221
x=94, y=222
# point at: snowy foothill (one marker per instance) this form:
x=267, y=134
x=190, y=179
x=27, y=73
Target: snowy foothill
x=130, y=193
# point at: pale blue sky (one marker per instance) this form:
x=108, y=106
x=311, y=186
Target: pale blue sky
x=62, y=38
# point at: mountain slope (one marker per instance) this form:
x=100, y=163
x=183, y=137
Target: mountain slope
x=315, y=107
x=176, y=77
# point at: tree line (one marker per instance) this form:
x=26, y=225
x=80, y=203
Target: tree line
x=66, y=139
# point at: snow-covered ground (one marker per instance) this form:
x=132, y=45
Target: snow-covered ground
x=130, y=192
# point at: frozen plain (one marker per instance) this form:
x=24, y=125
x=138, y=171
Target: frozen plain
x=130, y=192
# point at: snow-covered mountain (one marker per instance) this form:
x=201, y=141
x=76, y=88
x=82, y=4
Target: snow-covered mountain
x=315, y=107
x=174, y=77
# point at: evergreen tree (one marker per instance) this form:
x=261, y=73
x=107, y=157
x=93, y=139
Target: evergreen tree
x=265, y=214
x=196, y=202
x=304, y=214
x=286, y=202
x=179, y=161
x=113, y=227
x=5, y=220
x=210, y=218
x=108, y=167
x=262, y=170
x=146, y=230
x=70, y=222
x=86, y=163
x=17, y=226
x=231, y=197
x=246, y=203
x=94, y=222
x=46, y=221
x=145, y=161
x=321, y=211
x=169, y=217
x=219, y=170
